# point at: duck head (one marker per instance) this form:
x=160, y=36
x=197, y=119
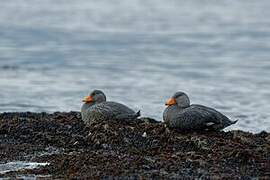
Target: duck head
x=96, y=96
x=180, y=99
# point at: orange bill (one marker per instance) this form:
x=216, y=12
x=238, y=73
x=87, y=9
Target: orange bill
x=170, y=102
x=88, y=99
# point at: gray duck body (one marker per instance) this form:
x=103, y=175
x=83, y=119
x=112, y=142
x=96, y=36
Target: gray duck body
x=194, y=117
x=106, y=110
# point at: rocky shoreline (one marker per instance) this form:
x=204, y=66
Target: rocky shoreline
x=144, y=149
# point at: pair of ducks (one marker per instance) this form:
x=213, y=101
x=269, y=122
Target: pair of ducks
x=179, y=113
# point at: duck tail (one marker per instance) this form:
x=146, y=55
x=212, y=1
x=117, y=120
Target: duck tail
x=137, y=114
x=233, y=122
x=229, y=123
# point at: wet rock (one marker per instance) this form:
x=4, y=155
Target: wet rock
x=143, y=149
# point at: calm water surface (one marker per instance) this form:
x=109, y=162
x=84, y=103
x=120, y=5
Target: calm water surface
x=52, y=53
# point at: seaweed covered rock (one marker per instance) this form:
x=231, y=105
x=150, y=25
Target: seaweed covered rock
x=122, y=149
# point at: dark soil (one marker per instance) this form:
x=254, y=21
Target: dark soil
x=143, y=149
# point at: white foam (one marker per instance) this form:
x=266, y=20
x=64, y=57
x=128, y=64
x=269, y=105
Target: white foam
x=19, y=165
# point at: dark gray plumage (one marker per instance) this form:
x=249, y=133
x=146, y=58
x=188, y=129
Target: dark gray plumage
x=96, y=108
x=181, y=115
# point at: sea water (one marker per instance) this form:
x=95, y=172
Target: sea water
x=53, y=53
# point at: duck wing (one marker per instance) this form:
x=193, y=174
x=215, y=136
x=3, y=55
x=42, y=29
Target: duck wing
x=128, y=117
x=119, y=108
x=121, y=111
x=214, y=120
x=200, y=117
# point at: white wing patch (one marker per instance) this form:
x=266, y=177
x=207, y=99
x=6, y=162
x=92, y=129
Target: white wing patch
x=210, y=124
